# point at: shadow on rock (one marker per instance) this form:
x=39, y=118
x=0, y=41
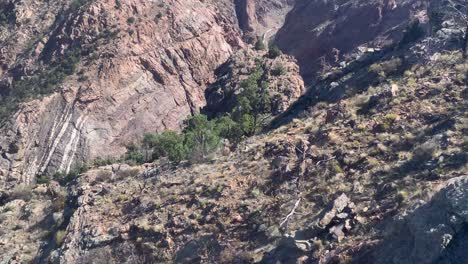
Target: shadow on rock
x=432, y=233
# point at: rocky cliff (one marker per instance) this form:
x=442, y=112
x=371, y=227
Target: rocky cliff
x=368, y=164
x=143, y=66
x=338, y=28
x=102, y=73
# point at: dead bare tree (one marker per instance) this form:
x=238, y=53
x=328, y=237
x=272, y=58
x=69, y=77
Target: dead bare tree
x=293, y=211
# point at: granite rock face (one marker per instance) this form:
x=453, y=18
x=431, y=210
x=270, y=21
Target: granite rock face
x=338, y=28
x=148, y=67
x=367, y=166
x=281, y=74
x=262, y=18
x=431, y=233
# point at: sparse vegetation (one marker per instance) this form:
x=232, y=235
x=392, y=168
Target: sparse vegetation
x=103, y=176
x=21, y=192
x=260, y=45
x=43, y=82
x=386, y=68
x=158, y=17
x=75, y=5
x=413, y=33
x=134, y=155
x=59, y=237
x=65, y=178
x=436, y=19
x=59, y=202
x=128, y=173
x=104, y=161
x=274, y=51
x=130, y=20
x=7, y=14
x=278, y=70
x=43, y=180
x=424, y=152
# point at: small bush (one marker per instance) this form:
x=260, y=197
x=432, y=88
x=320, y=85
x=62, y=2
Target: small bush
x=21, y=192
x=424, y=152
x=279, y=70
x=229, y=129
x=130, y=20
x=7, y=13
x=77, y=4
x=255, y=192
x=134, y=155
x=168, y=144
x=369, y=105
x=103, y=176
x=98, y=162
x=386, y=68
x=82, y=78
x=8, y=208
x=65, y=178
x=59, y=237
x=260, y=45
x=436, y=19
x=335, y=167
x=274, y=52
x=386, y=124
x=59, y=202
x=201, y=137
x=108, y=34
x=43, y=180
x=413, y=32
x=123, y=174
x=390, y=118
x=158, y=17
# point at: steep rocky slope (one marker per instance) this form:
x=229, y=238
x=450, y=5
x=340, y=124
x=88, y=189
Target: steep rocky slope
x=262, y=18
x=337, y=28
x=369, y=165
x=281, y=73
x=388, y=153
x=142, y=66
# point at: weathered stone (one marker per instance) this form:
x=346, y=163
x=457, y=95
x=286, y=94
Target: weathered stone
x=337, y=232
x=430, y=233
x=341, y=202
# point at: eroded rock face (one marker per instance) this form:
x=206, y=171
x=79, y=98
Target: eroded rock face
x=262, y=18
x=336, y=28
x=147, y=74
x=431, y=233
x=281, y=74
x=143, y=67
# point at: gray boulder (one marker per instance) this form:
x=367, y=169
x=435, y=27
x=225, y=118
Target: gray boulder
x=432, y=233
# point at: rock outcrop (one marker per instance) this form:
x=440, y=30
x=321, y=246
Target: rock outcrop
x=431, y=233
x=280, y=75
x=262, y=19
x=287, y=195
x=337, y=28
x=369, y=166
x=144, y=67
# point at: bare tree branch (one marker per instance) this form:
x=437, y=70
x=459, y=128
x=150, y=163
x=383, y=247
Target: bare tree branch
x=323, y=161
x=291, y=213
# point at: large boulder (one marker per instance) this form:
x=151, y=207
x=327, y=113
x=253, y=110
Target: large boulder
x=432, y=233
